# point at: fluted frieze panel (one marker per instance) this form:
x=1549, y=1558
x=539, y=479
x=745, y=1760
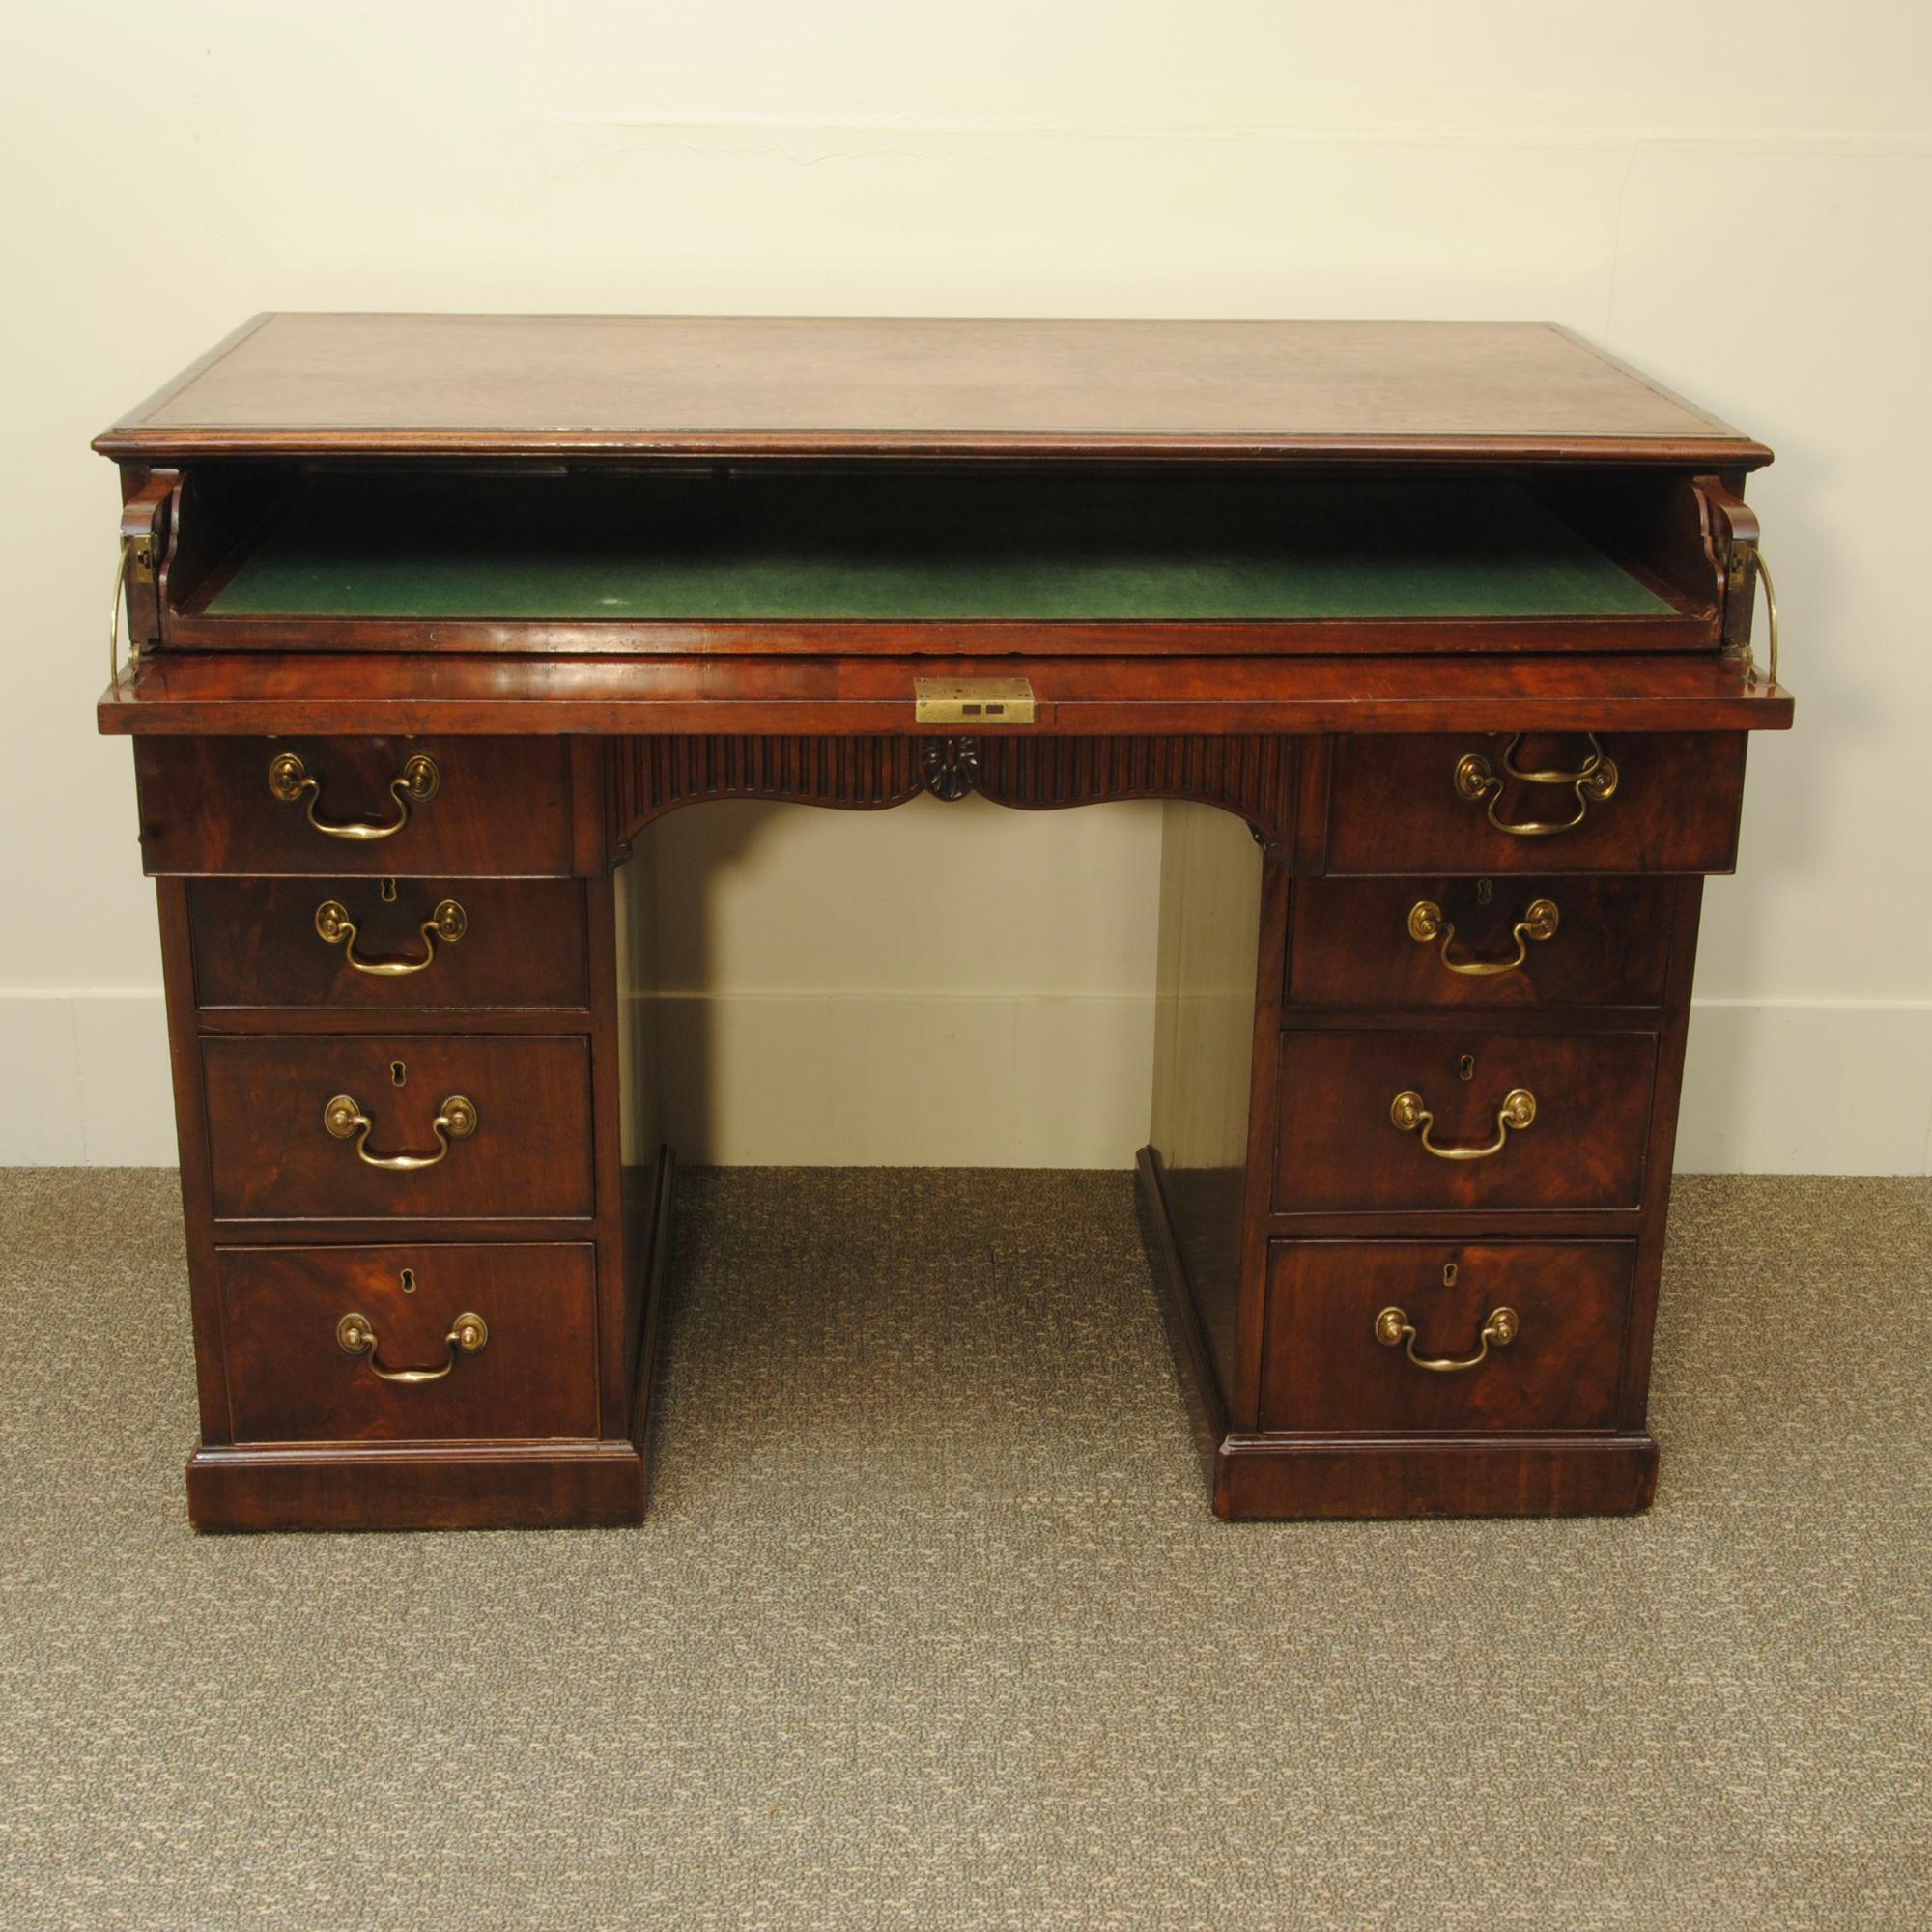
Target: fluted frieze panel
x=1252, y=776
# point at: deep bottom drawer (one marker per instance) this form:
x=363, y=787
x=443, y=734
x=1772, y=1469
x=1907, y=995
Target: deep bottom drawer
x=1337, y=1359
x=317, y=1338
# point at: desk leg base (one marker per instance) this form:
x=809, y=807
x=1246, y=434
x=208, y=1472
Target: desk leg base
x=1259, y=1477
x=549, y=1486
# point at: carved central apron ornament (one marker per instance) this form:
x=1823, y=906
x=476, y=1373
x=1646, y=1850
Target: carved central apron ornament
x=952, y=766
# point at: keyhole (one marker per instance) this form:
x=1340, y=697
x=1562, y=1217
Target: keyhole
x=1485, y=891
x=409, y=1280
x=398, y=1074
x=1465, y=1068
x=1448, y=1274
x=386, y=892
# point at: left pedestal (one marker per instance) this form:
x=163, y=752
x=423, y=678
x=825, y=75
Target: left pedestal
x=422, y=1281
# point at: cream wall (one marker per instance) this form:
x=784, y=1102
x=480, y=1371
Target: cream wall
x=1736, y=199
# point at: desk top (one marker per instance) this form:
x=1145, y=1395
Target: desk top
x=700, y=385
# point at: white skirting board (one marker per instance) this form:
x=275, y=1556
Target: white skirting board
x=897, y=1079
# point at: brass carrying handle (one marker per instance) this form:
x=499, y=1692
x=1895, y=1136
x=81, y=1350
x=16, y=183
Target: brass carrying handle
x=1538, y=921
x=455, y=1120
x=416, y=783
x=357, y=1336
x=448, y=922
x=1500, y=1326
x=1475, y=780
x=1770, y=616
x=1518, y=1110
x=114, y=621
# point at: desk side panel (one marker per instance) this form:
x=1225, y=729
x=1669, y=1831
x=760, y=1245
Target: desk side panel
x=1210, y=922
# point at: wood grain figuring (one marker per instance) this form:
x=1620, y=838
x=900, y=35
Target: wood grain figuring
x=1327, y=1370
x=1340, y=1151
x=272, y=1158
x=1351, y=946
x=256, y=944
x=502, y=807
x=1394, y=807
x=289, y=1380
x=177, y=694
x=719, y=386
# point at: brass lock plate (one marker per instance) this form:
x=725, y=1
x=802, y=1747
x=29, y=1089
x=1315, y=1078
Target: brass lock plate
x=972, y=701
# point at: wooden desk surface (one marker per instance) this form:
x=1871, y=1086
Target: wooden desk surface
x=456, y=384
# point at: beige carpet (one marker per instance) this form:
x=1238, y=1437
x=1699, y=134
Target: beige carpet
x=930, y=1628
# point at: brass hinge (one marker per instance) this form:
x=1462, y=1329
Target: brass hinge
x=972, y=701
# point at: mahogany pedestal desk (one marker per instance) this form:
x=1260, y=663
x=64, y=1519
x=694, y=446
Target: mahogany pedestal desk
x=1435, y=636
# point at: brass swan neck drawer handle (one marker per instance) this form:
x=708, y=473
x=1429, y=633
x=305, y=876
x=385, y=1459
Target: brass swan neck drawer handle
x=416, y=783
x=448, y=922
x=1518, y=1110
x=1475, y=780
x=357, y=1336
x=344, y=1117
x=1501, y=1327
x=1426, y=923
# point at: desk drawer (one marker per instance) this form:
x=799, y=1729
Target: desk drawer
x=317, y=806
x=1339, y=1148
x=280, y=1148
x=1627, y=803
x=1334, y=1360
x=391, y=943
x=1449, y=942
x=297, y=1374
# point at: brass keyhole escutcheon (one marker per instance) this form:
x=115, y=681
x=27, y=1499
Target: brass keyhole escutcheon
x=398, y=1074
x=1448, y=1274
x=1485, y=891
x=409, y=1281
x=1465, y=1068
x=386, y=892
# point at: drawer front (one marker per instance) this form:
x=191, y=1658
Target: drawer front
x=1339, y=1148
x=291, y=1377
x=1334, y=1360
x=477, y=807
x=1396, y=805
x=273, y=1156
x=389, y=943
x=1449, y=942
